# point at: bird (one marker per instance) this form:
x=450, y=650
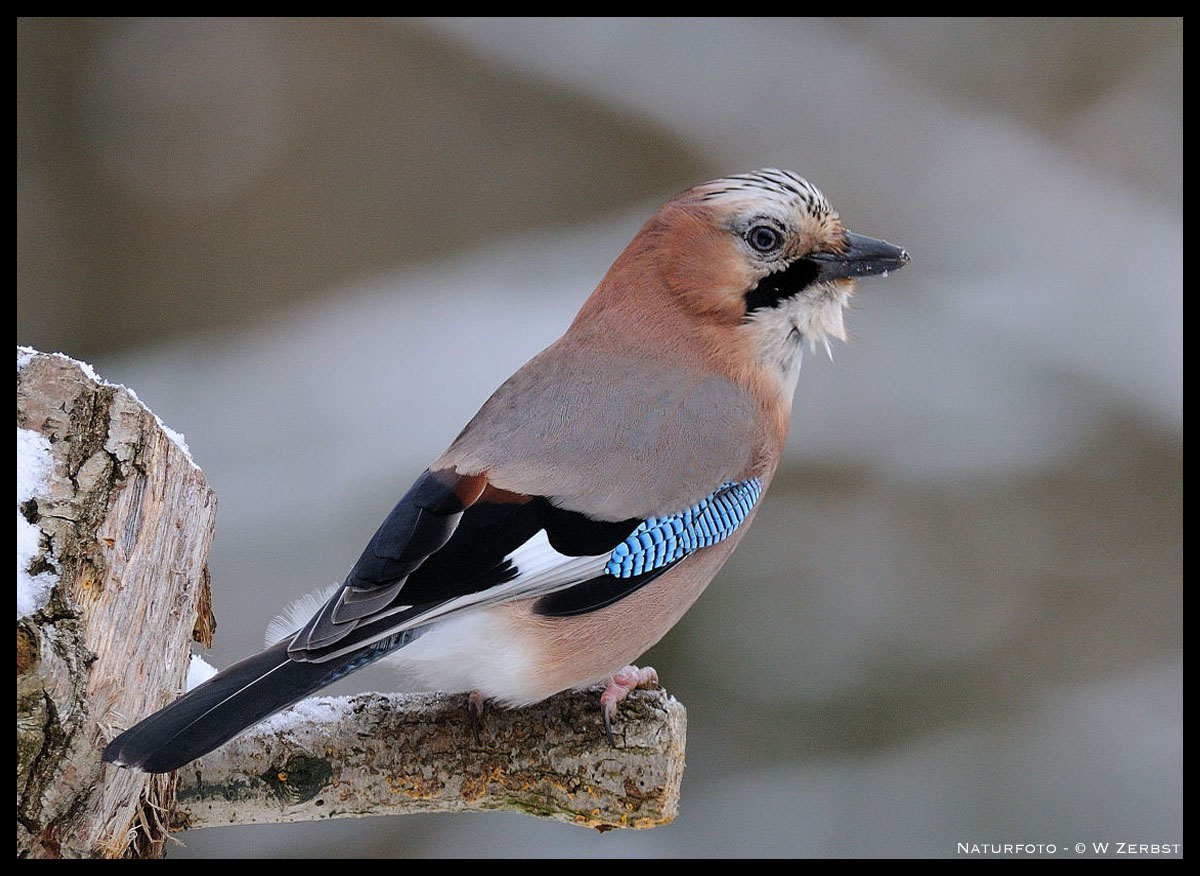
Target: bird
x=595, y=494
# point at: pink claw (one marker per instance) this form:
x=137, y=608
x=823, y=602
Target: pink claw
x=618, y=687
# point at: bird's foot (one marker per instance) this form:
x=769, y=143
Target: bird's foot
x=475, y=706
x=618, y=687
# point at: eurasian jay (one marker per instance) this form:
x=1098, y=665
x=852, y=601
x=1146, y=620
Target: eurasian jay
x=590, y=501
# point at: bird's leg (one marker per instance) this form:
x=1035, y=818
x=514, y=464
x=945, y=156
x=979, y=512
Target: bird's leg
x=475, y=706
x=618, y=687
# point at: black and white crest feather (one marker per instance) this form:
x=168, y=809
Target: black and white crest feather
x=789, y=190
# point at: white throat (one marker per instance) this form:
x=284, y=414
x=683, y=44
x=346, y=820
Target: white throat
x=781, y=332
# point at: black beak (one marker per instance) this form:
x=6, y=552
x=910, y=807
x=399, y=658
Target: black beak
x=866, y=256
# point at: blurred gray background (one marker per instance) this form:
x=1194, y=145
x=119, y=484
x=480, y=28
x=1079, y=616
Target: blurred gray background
x=315, y=247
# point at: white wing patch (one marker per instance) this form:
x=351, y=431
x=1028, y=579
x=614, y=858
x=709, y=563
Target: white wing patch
x=541, y=570
x=544, y=570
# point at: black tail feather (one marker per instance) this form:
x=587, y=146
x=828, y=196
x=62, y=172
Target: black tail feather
x=221, y=708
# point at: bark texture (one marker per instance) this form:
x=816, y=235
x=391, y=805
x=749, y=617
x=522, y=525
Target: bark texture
x=393, y=754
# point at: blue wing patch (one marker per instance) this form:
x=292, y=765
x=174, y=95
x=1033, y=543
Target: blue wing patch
x=660, y=541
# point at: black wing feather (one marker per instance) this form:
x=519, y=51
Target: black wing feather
x=433, y=547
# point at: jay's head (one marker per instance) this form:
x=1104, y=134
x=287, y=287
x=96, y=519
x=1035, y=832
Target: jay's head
x=764, y=254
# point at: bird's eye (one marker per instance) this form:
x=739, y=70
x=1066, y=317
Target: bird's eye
x=764, y=238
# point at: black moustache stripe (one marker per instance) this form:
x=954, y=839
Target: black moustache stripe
x=781, y=285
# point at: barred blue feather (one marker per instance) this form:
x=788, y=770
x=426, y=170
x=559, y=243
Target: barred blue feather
x=660, y=541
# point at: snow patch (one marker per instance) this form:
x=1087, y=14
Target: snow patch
x=314, y=710
x=176, y=437
x=35, y=463
x=199, y=671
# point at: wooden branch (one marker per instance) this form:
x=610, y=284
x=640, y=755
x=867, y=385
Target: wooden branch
x=126, y=521
x=393, y=754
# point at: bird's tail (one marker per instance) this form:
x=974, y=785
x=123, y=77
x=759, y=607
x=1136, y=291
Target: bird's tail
x=224, y=706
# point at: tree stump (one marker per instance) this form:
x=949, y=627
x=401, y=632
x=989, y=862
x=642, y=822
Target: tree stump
x=126, y=521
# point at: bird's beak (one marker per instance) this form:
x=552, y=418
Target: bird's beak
x=864, y=256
